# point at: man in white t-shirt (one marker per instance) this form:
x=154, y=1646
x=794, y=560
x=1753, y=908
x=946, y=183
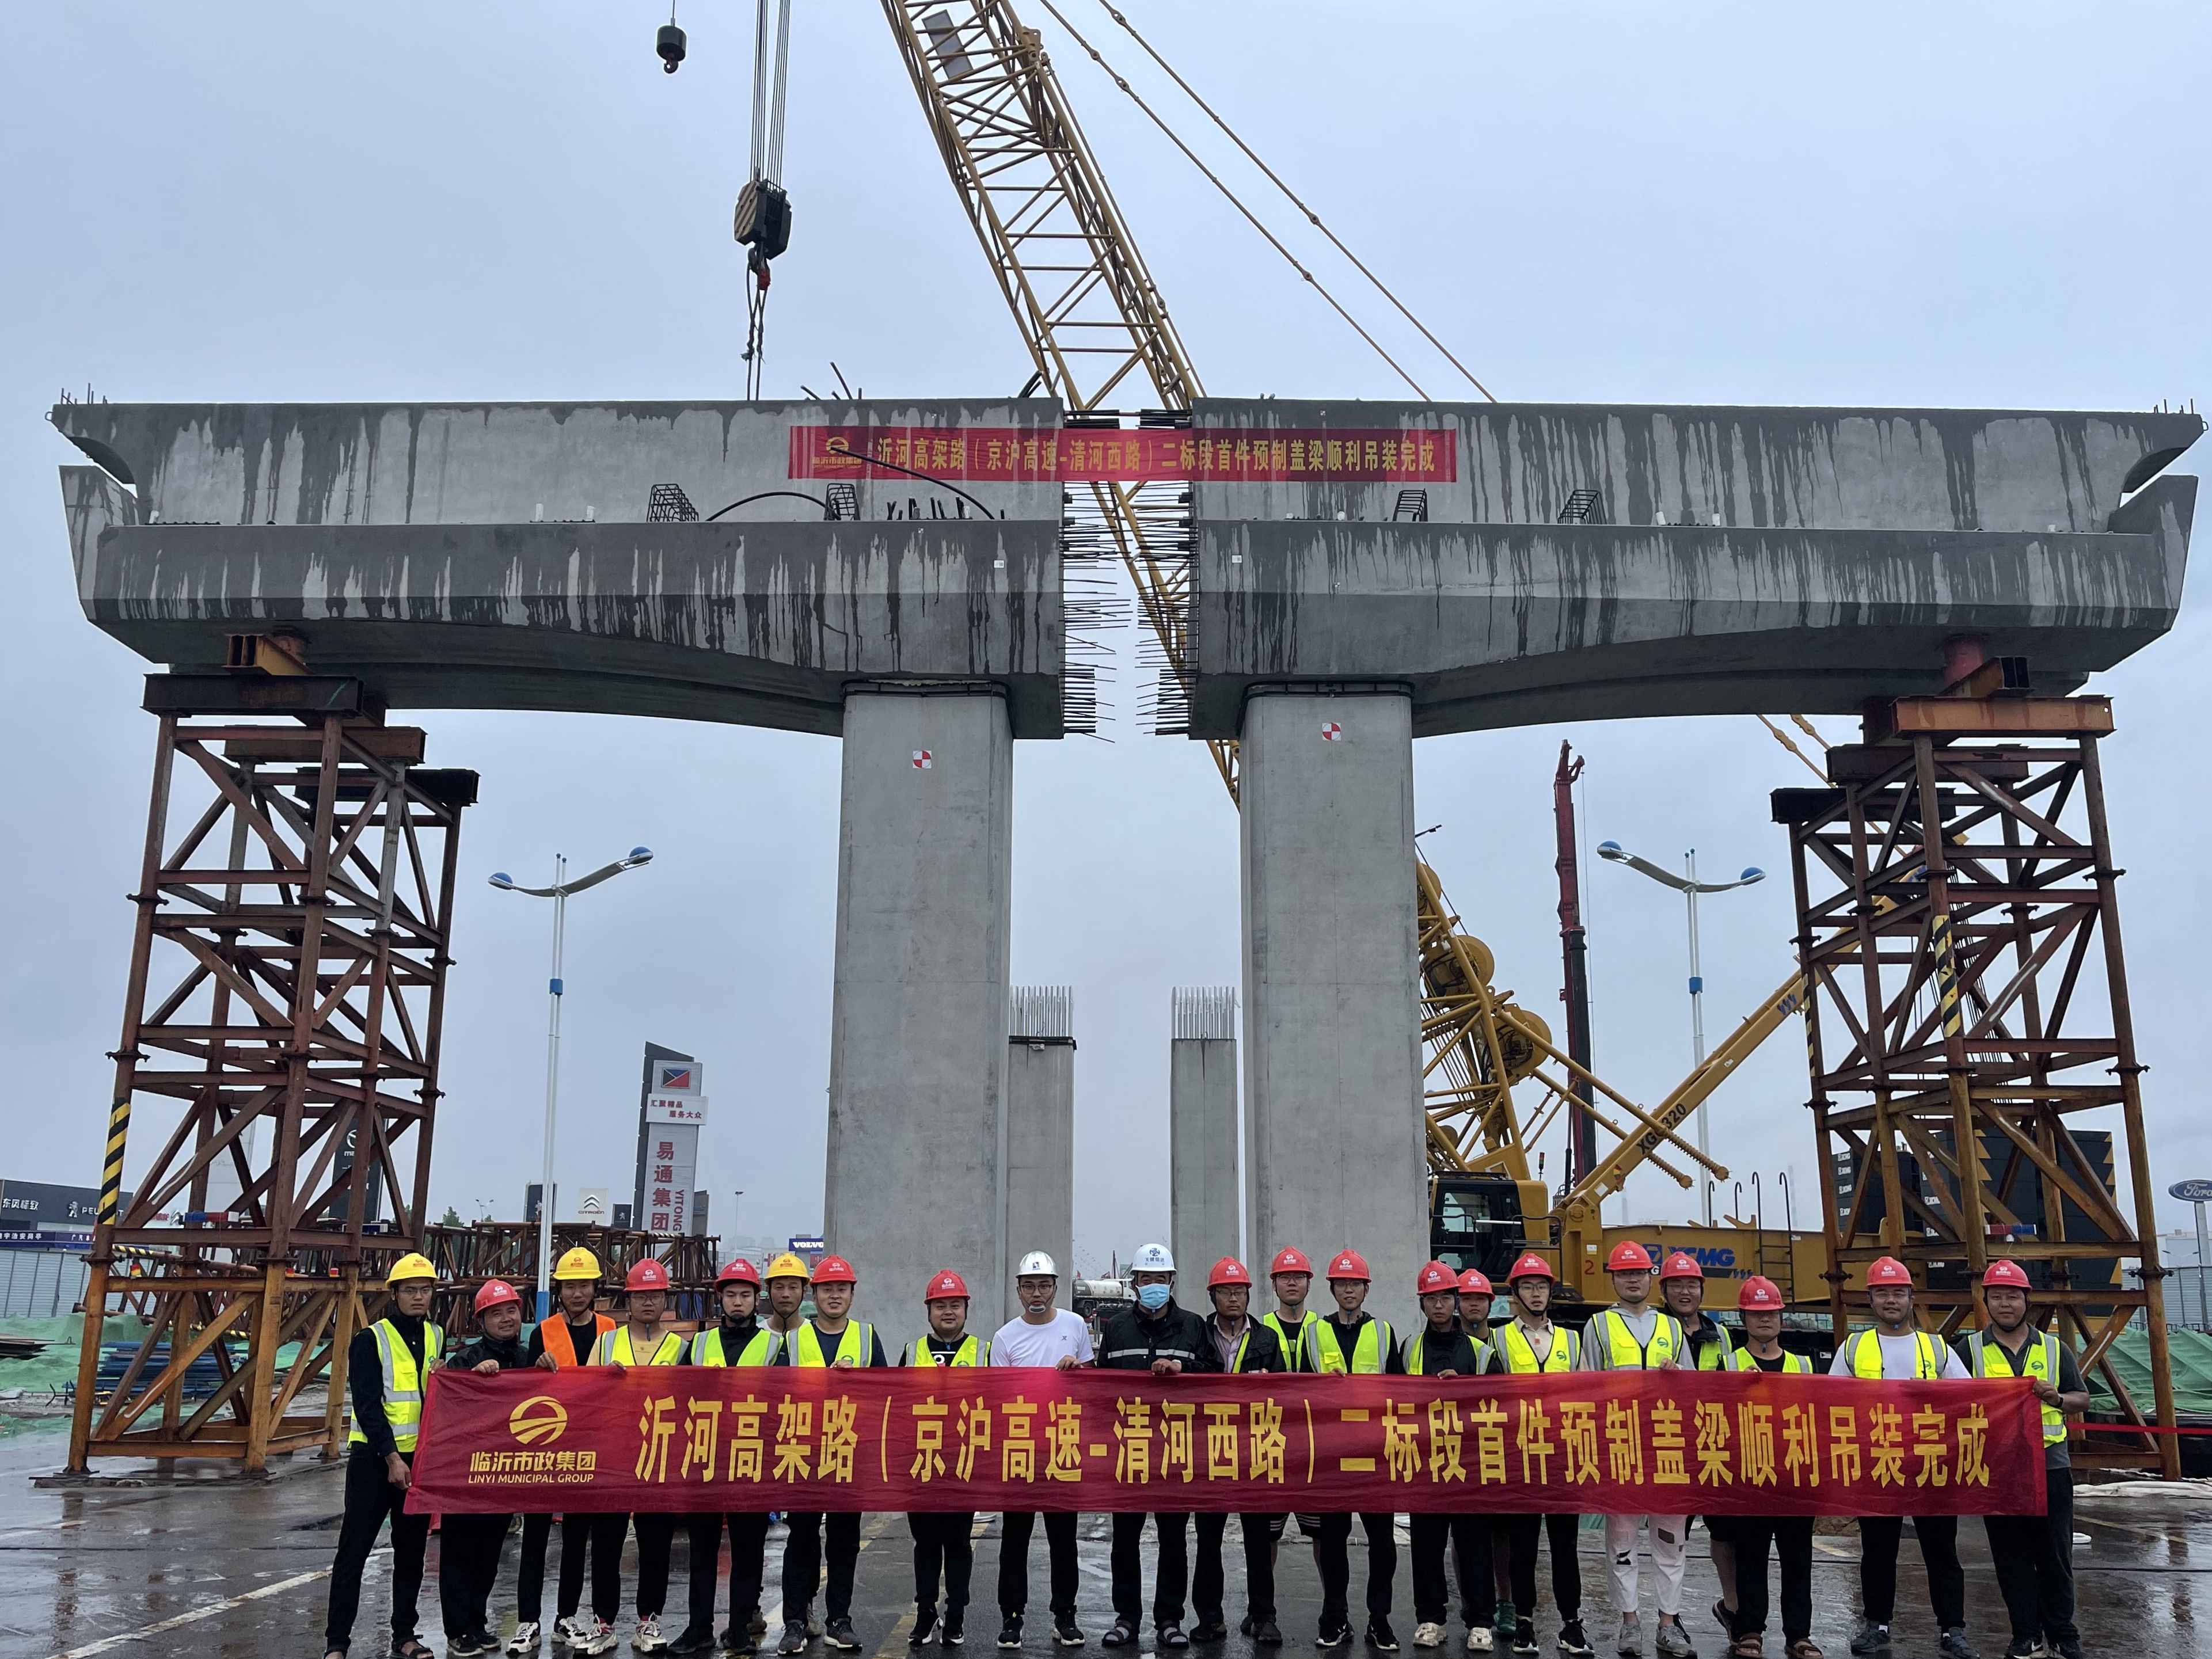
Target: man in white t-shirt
x=1043, y=1335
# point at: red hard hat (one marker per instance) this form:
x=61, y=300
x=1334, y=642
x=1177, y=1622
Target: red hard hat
x=1888, y=1270
x=944, y=1286
x=495, y=1293
x=1289, y=1259
x=647, y=1275
x=1628, y=1257
x=738, y=1271
x=2005, y=1272
x=834, y=1270
x=1348, y=1264
x=1531, y=1266
x=1472, y=1282
x=1759, y=1294
x=1681, y=1265
x=1434, y=1277
x=1228, y=1271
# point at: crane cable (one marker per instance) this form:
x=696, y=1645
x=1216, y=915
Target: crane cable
x=1212, y=178
x=1312, y=218
x=767, y=166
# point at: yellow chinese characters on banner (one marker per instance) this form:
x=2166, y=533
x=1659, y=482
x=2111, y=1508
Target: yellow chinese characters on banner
x=1071, y=455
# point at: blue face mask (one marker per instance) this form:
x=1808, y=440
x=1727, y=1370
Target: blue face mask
x=1152, y=1298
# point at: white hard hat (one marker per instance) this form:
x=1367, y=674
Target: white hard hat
x=1152, y=1259
x=1037, y=1265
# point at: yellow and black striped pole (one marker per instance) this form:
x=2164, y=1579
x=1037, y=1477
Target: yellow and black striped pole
x=111, y=1174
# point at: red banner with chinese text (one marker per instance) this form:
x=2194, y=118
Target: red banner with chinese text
x=1702, y=1443
x=1217, y=455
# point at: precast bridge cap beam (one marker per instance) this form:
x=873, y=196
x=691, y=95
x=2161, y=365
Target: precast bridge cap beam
x=1514, y=563
x=566, y=556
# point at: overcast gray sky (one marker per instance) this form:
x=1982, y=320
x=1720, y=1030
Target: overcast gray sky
x=1976, y=204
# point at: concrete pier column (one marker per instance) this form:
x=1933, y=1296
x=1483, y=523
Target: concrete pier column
x=1333, y=1133
x=1040, y=1141
x=1205, y=1192
x=915, y=1178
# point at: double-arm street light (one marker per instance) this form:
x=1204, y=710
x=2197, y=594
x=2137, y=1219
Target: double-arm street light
x=558, y=892
x=1690, y=887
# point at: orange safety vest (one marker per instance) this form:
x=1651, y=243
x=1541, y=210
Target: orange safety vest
x=555, y=1342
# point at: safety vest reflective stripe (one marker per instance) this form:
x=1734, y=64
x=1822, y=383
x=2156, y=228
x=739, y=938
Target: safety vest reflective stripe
x=856, y=1340
x=402, y=1380
x=2041, y=1362
x=1866, y=1356
x=706, y=1348
x=1716, y=1355
x=1370, y=1351
x=971, y=1351
x=616, y=1349
x=1294, y=1343
x=1521, y=1353
x=1628, y=1354
x=1793, y=1364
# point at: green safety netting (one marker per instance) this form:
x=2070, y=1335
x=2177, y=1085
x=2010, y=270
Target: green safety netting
x=2190, y=1353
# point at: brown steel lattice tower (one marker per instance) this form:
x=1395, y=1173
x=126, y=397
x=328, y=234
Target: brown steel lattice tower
x=287, y=982
x=1958, y=925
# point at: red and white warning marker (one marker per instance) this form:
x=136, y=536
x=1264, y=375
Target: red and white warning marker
x=922, y=760
x=1331, y=731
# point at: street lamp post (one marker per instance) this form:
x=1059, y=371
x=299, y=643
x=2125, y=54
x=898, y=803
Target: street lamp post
x=1690, y=887
x=558, y=892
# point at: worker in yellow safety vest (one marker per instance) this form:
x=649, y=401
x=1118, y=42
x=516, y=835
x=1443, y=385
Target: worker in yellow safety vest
x=738, y=1338
x=1530, y=1345
x=1476, y=1294
x=1898, y=1349
x=1291, y=1276
x=570, y=1336
x=1682, y=1288
x=2034, y=1554
x=640, y=1339
x=1759, y=1302
x=1633, y=1336
x=1442, y=1347
x=385, y=1365
x=944, y=1544
x=830, y=1339
x=1352, y=1342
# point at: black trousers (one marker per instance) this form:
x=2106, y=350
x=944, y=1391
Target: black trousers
x=1939, y=1553
x=1170, y=1577
x=1469, y=1537
x=578, y=1542
x=944, y=1545
x=1206, y=1577
x=1015, y=1528
x=1524, y=1531
x=370, y=1498
x=468, y=1567
x=656, y=1538
x=2035, y=1563
x=748, y=1546
x=1791, y=1537
x=802, y=1562
x=1334, y=1559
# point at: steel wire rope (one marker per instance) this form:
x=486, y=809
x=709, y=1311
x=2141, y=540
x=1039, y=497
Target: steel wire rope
x=1214, y=180
x=1312, y=218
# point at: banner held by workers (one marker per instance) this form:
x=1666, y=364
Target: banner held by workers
x=694, y=1438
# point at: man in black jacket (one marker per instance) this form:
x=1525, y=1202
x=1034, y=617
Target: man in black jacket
x=468, y=1544
x=1160, y=1337
x=1244, y=1345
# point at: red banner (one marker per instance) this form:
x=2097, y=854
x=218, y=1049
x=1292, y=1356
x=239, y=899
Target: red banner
x=1218, y=455
x=1702, y=1443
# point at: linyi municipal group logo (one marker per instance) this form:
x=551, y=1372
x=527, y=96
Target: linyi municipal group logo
x=541, y=1417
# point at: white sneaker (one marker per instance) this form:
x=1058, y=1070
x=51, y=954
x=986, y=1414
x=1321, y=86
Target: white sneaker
x=601, y=1639
x=647, y=1637
x=1479, y=1638
x=524, y=1639
x=1428, y=1635
x=572, y=1632
x=1630, y=1642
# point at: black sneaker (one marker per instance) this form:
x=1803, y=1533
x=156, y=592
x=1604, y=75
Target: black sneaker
x=1573, y=1642
x=1009, y=1633
x=1065, y=1631
x=1122, y=1635
x=1954, y=1645
x=1524, y=1636
x=1169, y=1638
x=795, y=1636
x=693, y=1639
x=462, y=1646
x=739, y=1642
x=1212, y=1630
x=1381, y=1637
x=838, y=1634
x=1867, y=1637
x=953, y=1632
x=2025, y=1647
x=1334, y=1636
x=1267, y=1633
x=925, y=1621
x=2069, y=1647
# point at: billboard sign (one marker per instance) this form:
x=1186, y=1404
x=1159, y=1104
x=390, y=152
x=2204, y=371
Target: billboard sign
x=676, y=1108
x=36, y=1213
x=2189, y=1192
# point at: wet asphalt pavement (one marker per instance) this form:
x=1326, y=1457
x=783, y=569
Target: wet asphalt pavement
x=189, y=1567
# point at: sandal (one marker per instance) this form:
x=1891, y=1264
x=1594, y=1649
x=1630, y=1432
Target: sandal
x=410, y=1647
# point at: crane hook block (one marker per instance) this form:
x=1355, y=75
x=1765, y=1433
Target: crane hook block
x=669, y=43
x=763, y=221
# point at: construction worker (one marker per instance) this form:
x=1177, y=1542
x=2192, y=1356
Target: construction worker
x=1244, y=1345
x=640, y=1340
x=1040, y=1335
x=1352, y=1342
x=1682, y=1287
x=944, y=1543
x=386, y=1365
x=1896, y=1348
x=571, y=1337
x=787, y=1276
x=833, y=1340
x=1476, y=1294
x=1443, y=1348
x=1291, y=1276
x=1160, y=1337
x=2034, y=1554
x=1633, y=1336
x=468, y=1544
x=1759, y=1301
x=1529, y=1344
x=736, y=1339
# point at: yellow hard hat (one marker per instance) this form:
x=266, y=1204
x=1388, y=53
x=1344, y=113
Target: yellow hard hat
x=410, y=1266
x=579, y=1263
x=786, y=1265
